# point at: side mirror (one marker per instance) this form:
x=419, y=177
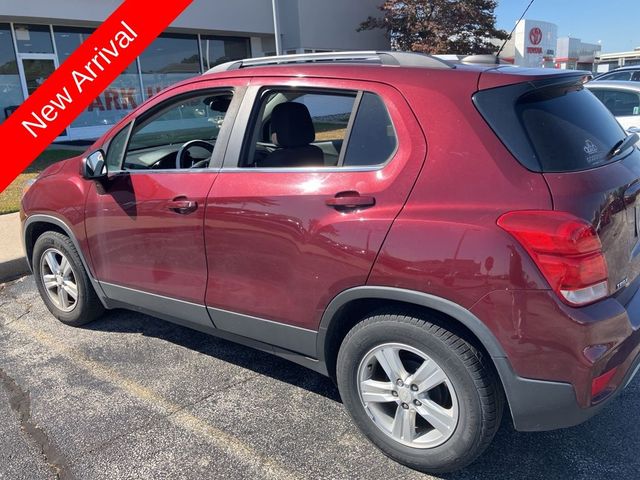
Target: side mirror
x=93, y=166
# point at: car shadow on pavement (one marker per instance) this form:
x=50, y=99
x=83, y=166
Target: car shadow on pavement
x=607, y=445
x=267, y=364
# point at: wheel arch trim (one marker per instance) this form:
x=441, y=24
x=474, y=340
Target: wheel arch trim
x=50, y=219
x=459, y=313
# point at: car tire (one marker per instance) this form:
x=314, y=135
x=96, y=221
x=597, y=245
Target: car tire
x=466, y=405
x=59, y=275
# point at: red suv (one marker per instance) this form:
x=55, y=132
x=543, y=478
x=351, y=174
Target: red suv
x=443, y=240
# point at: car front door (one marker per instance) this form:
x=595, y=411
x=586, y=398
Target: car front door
x=145, y=222
x=304, y=200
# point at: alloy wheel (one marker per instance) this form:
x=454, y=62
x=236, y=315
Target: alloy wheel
x=407, y=395
x=59, y=279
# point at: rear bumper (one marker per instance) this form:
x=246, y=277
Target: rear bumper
x=554, y=352
x=538, y=405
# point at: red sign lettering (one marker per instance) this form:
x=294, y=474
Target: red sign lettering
x=111, y=96
x=128, y=99
x=151, y=93
x=115, y=99
x=96, y=104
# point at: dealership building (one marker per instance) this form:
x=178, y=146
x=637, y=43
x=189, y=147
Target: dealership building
x=533, y=44
x=536, y=44
x=38, y=35
x=609, y=61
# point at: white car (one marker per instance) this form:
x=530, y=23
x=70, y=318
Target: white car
x=622, y=99
x=629, y=73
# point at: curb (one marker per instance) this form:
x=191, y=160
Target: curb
x=14, y=269
x=13, y=261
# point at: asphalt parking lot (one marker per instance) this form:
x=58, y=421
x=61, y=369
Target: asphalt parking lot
x=131, y=396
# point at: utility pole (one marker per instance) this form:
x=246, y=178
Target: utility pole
x=276, y=26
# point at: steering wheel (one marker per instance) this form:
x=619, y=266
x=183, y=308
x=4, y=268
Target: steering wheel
x=184, y=150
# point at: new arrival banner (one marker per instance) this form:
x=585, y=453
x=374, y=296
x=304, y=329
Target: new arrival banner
x=73, y=86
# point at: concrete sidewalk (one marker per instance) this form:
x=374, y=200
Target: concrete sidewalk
x=13, y=263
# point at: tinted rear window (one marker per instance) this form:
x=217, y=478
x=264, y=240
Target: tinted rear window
x=560, y=128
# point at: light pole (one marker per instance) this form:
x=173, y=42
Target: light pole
x=276, y=26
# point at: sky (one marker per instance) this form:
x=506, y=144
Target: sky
x=616, y=23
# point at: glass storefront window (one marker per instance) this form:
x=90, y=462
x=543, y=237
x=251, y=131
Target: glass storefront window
x=116, y=100
x=68, y=39
x=217, y=50
x=10, y=89
x=36, y=71
x=169, y=59
x=33, y=38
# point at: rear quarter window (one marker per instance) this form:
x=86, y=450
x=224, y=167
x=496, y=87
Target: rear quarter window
x=373, y=139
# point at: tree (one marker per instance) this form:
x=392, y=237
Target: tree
x=463, y=27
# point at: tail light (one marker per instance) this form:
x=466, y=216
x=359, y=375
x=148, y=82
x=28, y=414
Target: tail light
x=567, y=251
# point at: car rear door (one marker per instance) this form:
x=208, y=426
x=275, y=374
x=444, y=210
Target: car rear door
x=282, y=242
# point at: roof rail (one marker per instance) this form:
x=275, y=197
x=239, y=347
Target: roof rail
x=403, y=59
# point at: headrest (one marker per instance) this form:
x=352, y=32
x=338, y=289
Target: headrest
x=292, y=123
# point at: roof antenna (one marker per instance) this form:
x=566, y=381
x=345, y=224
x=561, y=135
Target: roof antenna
x=513, y=30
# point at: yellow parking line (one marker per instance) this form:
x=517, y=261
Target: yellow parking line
x=175, y=412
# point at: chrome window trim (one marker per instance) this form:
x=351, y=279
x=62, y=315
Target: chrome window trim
x=300, y=169
x=164, y=170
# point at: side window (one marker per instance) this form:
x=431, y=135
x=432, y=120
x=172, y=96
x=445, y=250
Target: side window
x=622, y=104
x=635, y=77
x=294, y=129
x=617, y=76
x=116, y=149
x=181, y=135
x=329, y=114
